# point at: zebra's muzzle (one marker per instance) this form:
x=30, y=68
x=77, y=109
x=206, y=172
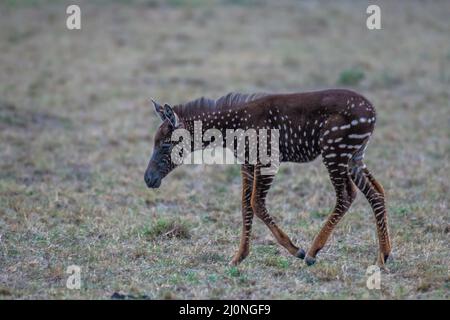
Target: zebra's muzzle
x=152, y=180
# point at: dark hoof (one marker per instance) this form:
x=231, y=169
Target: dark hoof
x=386, y=258
x=300, y=254
x=310, y=260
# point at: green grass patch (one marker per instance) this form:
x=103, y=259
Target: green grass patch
x=233, y=272
x=266, y=250
x=319, y=214
x=351, y=77
x=166, y=228
x=277, y=262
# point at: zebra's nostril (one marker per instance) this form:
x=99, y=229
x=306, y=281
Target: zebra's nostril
x=152, y=180
x=147, y=179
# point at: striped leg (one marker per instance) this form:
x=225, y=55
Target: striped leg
x=345, y=194
x=247, y=172
x=374, y=193
x=261, y=185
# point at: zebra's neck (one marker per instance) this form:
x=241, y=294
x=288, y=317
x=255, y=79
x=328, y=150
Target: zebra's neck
x=227, y=112
x=221, y=120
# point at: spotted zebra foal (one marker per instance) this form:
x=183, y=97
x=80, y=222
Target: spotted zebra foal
x=336, y=124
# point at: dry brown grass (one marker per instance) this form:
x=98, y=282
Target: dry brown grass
x=76, y=131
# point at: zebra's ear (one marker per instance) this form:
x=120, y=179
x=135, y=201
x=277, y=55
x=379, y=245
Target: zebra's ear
x=171, y=115
x=159, y=110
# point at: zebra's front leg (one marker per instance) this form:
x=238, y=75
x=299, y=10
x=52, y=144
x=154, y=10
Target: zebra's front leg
x=261, y=185
x=247, y=172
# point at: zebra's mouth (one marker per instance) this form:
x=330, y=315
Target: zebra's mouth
x=152, y=181
x=155, y=184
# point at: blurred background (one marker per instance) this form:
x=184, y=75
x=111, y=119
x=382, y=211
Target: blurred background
x=76, y=131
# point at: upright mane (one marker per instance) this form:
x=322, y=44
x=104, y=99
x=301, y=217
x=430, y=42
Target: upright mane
x=228, y=101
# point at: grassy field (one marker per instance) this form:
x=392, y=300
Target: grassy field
x=76, y=132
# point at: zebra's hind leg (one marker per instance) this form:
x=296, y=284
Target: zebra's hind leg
x=345, y=194
x=374, y=193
